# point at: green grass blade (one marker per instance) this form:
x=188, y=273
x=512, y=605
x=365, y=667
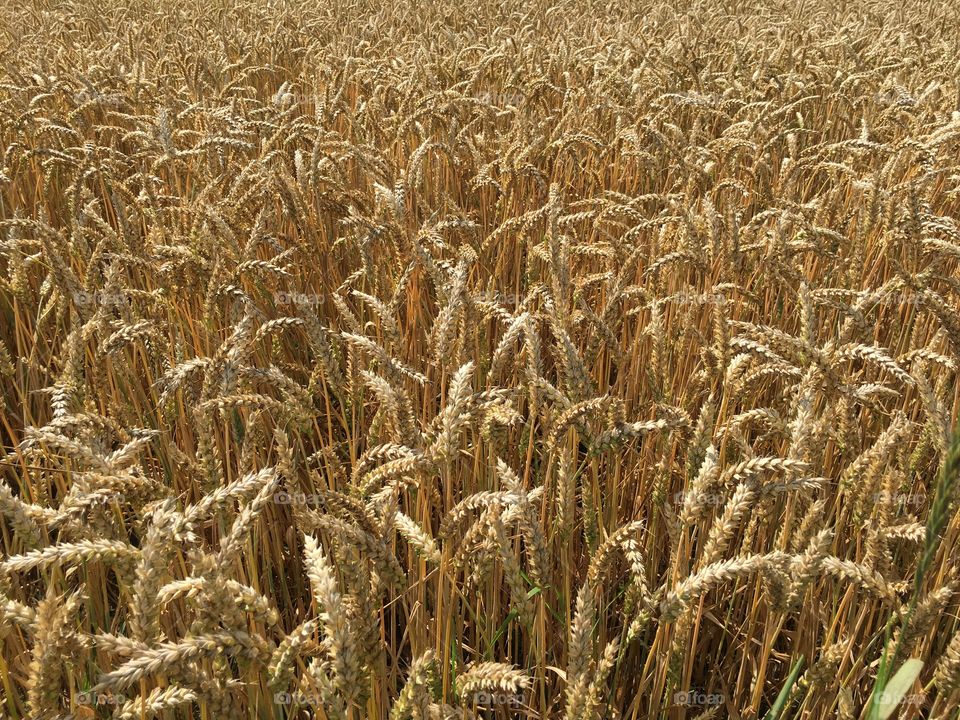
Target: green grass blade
x=780, y=703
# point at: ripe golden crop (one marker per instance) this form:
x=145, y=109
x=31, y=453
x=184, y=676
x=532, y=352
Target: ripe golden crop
x=501, y=360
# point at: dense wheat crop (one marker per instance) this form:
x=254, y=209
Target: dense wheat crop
x=486, y=359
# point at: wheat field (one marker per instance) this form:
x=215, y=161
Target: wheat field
x=570, y=360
